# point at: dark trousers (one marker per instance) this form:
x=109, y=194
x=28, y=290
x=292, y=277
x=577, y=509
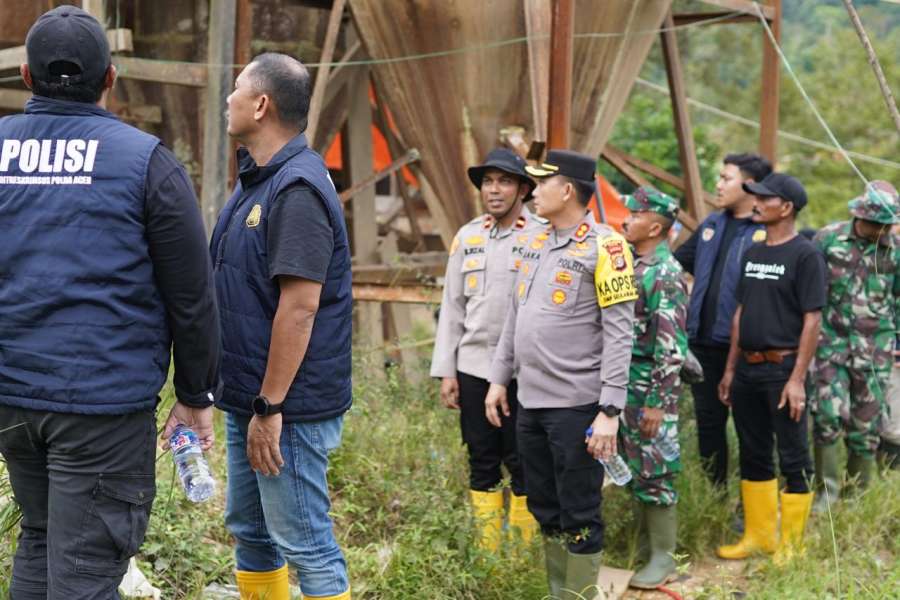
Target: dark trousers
x=488, y=446
x=86, y=485
x=562, y=480
x=712, y=415
x=755, y=394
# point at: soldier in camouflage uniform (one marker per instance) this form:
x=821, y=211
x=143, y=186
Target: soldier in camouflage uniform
x=654, y=388
x=859, y=326
x=889, y=451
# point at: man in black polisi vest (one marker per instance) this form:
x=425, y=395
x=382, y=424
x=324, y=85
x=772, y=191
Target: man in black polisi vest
x=103, y=267
x=282, y=270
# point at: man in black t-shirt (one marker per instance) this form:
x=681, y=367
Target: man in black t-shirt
x=774, y=331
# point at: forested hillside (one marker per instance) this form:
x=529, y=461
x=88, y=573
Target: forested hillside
x=722, y=69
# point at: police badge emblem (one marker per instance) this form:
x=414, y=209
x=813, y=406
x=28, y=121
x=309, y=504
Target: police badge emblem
x=254, y=217
x=708, y=233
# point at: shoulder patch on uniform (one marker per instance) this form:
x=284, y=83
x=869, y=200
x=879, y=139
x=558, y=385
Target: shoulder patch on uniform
x=708, y=233
x=759, y=235
x=614, y=275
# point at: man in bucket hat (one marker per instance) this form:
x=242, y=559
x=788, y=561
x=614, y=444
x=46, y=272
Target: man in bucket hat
x=859, y=328
x=649, y=423
x=484, y=258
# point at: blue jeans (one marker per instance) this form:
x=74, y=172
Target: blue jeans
x=285, y=518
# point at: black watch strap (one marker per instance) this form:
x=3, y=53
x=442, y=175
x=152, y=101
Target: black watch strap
x=263, y=408
x=610, y=411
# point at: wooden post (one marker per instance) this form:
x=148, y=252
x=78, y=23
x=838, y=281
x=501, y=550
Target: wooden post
x=243, y=38
x=402, y=318
x=770, y=88
x=687, y=153
x=537, y=25
x=562, y=29
x=216, y=146
x=322, y=74
x=357, y=148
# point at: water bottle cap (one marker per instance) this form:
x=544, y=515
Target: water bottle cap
x=182, y=437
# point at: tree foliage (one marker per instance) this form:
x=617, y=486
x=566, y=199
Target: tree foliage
x=722, y=68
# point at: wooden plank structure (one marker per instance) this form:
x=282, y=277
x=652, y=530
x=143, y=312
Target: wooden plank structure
x=443, y=80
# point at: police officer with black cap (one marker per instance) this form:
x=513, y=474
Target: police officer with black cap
x=484, y=258
x=104, y=266
x=567, y=340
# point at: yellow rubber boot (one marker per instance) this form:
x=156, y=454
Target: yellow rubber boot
x=488, y=510
x=760, y=500
x=521, y=518
x=264, y=585
x=794, y=514
x=343, y=596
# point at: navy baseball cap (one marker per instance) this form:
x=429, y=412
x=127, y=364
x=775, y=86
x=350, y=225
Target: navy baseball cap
x=781, y=185
x=566, y=163
x=67, y=34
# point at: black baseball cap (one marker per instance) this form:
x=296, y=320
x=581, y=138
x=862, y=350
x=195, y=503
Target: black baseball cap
x=782, y=185
x=502, y=159
x=566, y=163
x=67, y=34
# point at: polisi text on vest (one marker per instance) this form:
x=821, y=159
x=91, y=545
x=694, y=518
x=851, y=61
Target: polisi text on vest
x=48, y=156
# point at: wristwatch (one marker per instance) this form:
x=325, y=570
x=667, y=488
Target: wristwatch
x=263, y=408
x=610, y=411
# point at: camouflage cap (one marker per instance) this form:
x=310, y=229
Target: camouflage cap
x=878, y=204
x=648, y=198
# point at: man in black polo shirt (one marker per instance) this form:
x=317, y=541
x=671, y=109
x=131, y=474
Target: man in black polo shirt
x=776, y=324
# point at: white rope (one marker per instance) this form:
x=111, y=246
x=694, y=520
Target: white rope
x=785, y=134
x=812, y=106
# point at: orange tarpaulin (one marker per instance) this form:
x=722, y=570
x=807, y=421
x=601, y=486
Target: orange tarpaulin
x=612, y=204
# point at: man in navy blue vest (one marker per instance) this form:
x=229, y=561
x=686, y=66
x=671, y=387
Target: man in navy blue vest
x=713, y=256
x=104, y=267
x=282, y=270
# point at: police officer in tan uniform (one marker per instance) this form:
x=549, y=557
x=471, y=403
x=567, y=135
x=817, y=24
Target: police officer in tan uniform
x=567, y=339
x=484, y=257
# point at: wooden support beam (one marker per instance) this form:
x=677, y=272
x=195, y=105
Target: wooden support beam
x=632, y=175
x=655, y=172
x=403, y=271
x=357, y=148
x=687, y=153
x=402, y=319
x=562, y=30
x=13, y=99
x=719, y=16
x=411, y=156
x=120, y=40
x=744, y=6
x=363, y=292
x=162, y=71
x=321, y=83
x=216, y=144
x=771, y=88
x=538, y=17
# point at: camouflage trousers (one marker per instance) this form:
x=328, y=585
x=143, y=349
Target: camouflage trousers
x=848, y=400
x=653, y=477
x=890, y=420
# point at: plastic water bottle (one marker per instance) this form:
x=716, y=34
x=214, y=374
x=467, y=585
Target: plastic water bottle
x=667, y=447
x=193, y=471
x=617, y=468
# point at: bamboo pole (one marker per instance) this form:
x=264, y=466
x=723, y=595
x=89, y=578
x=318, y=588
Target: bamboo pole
x=873, y=62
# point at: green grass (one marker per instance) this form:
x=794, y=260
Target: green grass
x=398, y=483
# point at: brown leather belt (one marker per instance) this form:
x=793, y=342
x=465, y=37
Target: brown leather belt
x=754, y=357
